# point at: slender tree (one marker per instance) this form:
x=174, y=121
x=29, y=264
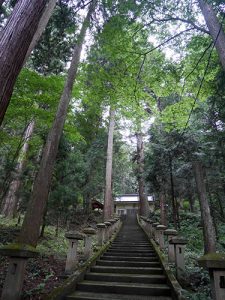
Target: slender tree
x=11, y=198
x=173, y=198
x=15, y=40
x=144, y=206
x=108, y=203
x=30, y=229
x=215, y=29
x=208, y=227
x=162, y=203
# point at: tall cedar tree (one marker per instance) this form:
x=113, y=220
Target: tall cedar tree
x=208, y=227
x=15, y=40
x=215, y=29
x=108, y=203
x=144, y=206
x=30, y=229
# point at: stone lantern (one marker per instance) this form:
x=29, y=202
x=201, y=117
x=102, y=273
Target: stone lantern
x=18, y=256
x=89, y=233
x=150, y=222
x=160, y=235
x=171, y=233
x=107, y=231
x=179, y=245
x=111, y=231
x=215, y=263
x=154, y=225
x=101, y=234
x=72, y=255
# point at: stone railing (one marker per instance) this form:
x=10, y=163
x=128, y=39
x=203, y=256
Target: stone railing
x=19, y=254
x=164, y=237
x=213, y=262
x=104, y=232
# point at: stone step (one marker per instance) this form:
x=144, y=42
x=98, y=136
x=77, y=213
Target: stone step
x=129, y=258
x=131, y=244
x=103, y=296
x=126, y=270
x=130, y=239
x=127, y=263
x=130, y=254
x=124, y=288
x=125, y=277
x=131, y=250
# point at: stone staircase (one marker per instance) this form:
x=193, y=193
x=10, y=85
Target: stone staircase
x=129, y=269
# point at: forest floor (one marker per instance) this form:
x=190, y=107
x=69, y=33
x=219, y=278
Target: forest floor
x=45, y=272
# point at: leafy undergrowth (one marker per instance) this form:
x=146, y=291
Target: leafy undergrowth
x=43, y=273
x=196, y=279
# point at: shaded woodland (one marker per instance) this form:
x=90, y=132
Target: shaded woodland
x=102, y=98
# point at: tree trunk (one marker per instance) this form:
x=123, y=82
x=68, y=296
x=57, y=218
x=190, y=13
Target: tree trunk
x=174, y=202
x=215, y=29
x=191, y=200
x=162, y=203
x=44, y=222
x=30, y=229
x=15, y=39
x=220, y=203
x=208, y=228
x=41, y=26
x=11, y=198
x=144, y=206
x=108, y=203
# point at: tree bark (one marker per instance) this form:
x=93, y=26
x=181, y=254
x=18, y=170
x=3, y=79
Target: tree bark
x=162, y=203
x=174, y=202
x=41, y=26
x=15, y=39
x=44, y=221
x=108, y=203
x=144, y=206
x=191, y=200
x=11, y=198
x=215, y=29
x=30, y=229
x=208, y=228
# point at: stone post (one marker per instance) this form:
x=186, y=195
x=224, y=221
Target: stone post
x=111, y=228
x=145, y=223
x=160, y=235
x=154, y=225
x=142, y=221
x=101, y=234
x=179, y=244
x=215, y=263
x=89, y=233
x=150, y=222
x=147, y=226
x=72, y=257
x=18, y=256
x=118, y=222
x=115, y=225
x=107, y=231
x=170, y=233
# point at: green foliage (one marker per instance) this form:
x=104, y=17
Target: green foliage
x=53, y=245
x=55, y=46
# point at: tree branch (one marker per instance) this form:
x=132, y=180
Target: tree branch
x=170, y=18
